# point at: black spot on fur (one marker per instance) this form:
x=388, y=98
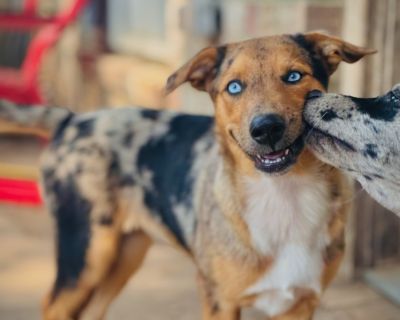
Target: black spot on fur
x=85, y=128
x=150, y=114
x=106, y=220
x=221, y=52
x=127, y=181
x=127, y=139
x=58, y=134
x=117, y=177
x=380, y=108
x=73, y=229
x=368, y=178
x=319, y=71
x=328, y=115
x=114, y=163
x=371, y=150
x=169, y=158
x=215, y=308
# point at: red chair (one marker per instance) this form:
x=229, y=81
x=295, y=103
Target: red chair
x=22, y=85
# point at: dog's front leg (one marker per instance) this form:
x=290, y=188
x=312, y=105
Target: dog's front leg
x=213, y=308
x=303, y=310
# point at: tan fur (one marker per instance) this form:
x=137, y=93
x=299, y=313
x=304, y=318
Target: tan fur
x=131, y=252
x=228, y=259
x=233, y=276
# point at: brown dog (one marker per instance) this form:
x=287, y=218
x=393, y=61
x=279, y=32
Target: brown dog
x=260, y=216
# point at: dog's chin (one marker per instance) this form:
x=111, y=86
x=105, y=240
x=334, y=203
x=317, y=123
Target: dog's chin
x=279, y=162
x=318, y=139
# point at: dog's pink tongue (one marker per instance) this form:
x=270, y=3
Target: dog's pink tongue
x=274, y=155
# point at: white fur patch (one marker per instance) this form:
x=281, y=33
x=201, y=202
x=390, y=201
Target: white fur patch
x=287, y=217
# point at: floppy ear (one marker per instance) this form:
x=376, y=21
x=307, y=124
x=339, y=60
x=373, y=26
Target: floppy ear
x=199, y=71
x=333, y=50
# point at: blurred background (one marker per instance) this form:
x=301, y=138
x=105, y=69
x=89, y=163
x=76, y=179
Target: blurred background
x=91, y=54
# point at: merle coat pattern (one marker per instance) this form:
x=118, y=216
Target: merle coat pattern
x=260, y=216
x=362, y=137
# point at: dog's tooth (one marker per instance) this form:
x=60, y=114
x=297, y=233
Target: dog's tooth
x=286, y=152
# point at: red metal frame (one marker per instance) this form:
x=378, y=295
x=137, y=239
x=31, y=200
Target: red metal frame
x=22, y=85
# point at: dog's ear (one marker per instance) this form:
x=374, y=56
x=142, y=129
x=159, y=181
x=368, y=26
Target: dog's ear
x=332, y=50
x=199, y=71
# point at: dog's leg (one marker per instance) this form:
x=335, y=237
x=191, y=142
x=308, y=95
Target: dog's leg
x=132, y=250
x=212, y=307
x=303, y=310
x=68, y=298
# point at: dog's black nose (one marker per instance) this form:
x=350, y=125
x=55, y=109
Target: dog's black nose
x=267, y=129
x=314, y=94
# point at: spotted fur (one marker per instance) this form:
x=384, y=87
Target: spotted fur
x=360, y=136
x=117, y=180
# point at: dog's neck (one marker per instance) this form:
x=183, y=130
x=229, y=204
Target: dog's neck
x=252, y=198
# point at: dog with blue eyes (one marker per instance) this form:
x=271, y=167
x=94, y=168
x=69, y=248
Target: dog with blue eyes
x=262, y=218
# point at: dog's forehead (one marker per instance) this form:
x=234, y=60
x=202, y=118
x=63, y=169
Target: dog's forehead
x=267, y=46
x=272, y=52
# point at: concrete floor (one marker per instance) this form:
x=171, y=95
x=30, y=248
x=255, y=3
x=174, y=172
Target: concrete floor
x=163, y=289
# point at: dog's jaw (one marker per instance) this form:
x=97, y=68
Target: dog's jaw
x=274, y=163
x=279, y=162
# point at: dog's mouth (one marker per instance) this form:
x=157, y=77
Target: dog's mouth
x=317, y=136
x=279, y=161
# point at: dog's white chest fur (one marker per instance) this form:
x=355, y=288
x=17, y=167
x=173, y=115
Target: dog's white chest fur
x=287, y=219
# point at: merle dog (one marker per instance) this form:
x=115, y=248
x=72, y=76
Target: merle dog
x=362, y=137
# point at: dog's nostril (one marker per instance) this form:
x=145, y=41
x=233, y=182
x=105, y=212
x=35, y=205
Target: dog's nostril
x=314, y=94
x=267, y=129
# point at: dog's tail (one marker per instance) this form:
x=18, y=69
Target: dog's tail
x=36, y=120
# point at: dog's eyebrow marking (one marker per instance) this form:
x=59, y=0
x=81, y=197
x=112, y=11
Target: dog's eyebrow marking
x=371, y=150
x=319, y=71
x=221, y=52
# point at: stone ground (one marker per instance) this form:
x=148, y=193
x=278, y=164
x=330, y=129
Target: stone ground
x=163, y=289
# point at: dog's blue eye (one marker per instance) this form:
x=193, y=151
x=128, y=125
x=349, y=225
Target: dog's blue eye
x=293, y=77
x=234, y=87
